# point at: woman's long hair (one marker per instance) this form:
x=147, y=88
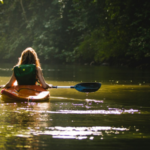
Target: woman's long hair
x=29, y=56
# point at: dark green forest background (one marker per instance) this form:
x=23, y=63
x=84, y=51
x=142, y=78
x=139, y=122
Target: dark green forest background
x=77, y=31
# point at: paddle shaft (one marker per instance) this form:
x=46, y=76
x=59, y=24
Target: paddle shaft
x=81, y=87
x=63, y=87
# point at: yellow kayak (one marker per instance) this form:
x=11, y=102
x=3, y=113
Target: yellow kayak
x=32, y=93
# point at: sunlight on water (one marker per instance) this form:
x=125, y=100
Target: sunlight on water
x=63, y=98
x=101, y=132
x=110, y=111
x=68, y=98
x=116, y=116
x=76, y=132
x=117, y=111
x=93, y=100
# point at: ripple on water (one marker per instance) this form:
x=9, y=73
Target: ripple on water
x=78, y=133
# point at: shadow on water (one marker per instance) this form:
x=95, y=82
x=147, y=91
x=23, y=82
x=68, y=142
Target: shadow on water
x=115, y=117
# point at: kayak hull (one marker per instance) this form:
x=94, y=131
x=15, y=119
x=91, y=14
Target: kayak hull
x=30, y=93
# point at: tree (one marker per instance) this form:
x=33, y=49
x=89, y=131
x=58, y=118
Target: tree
x=70, y=31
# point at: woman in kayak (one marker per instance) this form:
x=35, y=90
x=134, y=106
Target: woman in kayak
x=28, y=70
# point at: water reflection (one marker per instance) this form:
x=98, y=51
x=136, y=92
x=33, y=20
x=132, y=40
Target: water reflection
x=79, y=132
x=24, y=122
x=114, y=111
x=117, y=114
x=68, y=132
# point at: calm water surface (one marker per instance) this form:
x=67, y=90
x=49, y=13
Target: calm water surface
x=115, y=117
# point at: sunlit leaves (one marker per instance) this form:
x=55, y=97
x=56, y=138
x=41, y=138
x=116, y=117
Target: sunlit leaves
x=1, y=1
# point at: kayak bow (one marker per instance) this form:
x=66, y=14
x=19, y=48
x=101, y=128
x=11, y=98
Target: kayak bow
x=25, y=93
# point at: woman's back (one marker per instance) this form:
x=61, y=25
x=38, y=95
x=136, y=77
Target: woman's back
x=28, y=70
x=25, y=74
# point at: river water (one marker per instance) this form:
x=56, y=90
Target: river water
x=117, y=116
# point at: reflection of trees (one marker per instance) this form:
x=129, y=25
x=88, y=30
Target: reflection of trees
x=17, y=122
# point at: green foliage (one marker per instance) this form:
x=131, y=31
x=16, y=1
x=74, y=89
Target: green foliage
x=121, y=37
x=70, y=31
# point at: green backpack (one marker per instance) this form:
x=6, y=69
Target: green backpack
x=25, y=74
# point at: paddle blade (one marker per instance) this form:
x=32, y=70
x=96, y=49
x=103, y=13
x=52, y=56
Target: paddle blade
x=87, y=87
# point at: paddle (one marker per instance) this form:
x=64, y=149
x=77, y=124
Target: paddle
x=83, y=87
